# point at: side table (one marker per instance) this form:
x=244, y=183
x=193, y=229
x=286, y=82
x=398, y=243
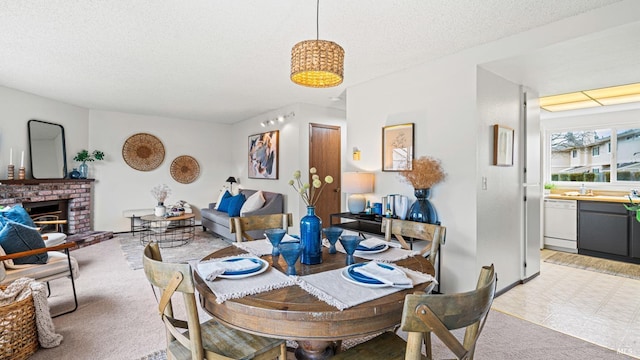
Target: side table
x=167, y=231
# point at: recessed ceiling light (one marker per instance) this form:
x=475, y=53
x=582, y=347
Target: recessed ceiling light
x=591, y=98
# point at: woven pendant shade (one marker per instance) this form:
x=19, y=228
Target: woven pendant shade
x=317, y=63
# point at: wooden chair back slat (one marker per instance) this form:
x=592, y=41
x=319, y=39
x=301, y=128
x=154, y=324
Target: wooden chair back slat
x=401, y=229
x=240, y=225
x=424, y=314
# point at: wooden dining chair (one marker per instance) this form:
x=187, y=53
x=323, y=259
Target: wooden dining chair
x=245, y=227
x=210, y=340
x=424, y=314
x=435, y=235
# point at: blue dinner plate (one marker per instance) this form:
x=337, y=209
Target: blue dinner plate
x=375, y=248
x=257, y=267
x=363, y=278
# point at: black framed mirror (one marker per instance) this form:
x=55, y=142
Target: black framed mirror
x=47, y=150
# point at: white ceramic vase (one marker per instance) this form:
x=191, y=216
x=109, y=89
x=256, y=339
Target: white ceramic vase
x=401, y=206
x=160, y=210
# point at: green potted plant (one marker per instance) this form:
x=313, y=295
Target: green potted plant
x=83, y=156
x=548, y=187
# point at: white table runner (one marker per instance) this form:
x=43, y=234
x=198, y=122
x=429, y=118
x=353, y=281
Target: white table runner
x=393, y=254
x=330, y=287
x=256, y=247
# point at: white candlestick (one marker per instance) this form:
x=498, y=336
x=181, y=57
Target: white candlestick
x=11, y=156
x=22, y=160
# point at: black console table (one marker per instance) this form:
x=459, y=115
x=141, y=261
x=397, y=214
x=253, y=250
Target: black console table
x=362, y=223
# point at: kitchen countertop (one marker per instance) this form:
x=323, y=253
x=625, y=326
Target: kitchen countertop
x=603, y=198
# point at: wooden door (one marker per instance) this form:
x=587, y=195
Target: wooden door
x=324, y=155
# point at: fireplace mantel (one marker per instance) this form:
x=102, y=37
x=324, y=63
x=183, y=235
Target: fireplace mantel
x=76, y=191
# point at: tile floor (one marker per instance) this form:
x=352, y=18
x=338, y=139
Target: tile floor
x=599, y=308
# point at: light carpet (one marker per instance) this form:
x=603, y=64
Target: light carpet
x=505, y=337
x=204, y=243
x=611, y=267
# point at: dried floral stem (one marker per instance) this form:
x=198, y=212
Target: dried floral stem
x=426, y=172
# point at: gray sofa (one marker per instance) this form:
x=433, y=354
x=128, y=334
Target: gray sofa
x=218, y=221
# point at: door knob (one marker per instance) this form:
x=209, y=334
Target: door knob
x=337, y=190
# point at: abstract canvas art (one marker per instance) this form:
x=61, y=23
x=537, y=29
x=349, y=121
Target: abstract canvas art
x=263, y=155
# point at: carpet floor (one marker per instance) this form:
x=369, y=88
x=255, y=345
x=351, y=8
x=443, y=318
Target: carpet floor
x=611, y=267
x=118, y=319
x=203, y=243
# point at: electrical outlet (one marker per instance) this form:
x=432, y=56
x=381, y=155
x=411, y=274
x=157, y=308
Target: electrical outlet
x=484, y=183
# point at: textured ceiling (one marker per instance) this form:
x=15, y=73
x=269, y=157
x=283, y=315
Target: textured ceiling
x=226, y=61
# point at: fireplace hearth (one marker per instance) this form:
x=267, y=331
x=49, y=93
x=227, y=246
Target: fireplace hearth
x=69, y=199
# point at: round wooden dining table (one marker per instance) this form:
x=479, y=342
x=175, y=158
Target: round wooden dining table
x=292, y=313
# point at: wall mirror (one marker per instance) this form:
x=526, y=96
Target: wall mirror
x=47, y=149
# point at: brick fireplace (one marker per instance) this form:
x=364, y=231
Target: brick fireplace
x=70, y=196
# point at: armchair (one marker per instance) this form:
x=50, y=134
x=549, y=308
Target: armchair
x=58, y=265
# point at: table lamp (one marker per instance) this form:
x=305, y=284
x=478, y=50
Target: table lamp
x=231, y=180
x=355, y=184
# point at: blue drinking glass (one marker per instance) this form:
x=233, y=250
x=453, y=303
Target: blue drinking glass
x=350, y=243
x=275, y=236
x=290, y=251
x=332, y=234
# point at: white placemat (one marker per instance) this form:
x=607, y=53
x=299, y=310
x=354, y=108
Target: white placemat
x=330, y=287
x=225, y=289
x=256, y=247
x=393, y=254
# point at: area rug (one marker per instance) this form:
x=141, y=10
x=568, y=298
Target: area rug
x=606, y=266
x=203, y=244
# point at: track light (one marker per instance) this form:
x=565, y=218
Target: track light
x=279, y=119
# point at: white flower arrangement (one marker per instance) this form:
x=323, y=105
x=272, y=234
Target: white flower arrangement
x=308, y=191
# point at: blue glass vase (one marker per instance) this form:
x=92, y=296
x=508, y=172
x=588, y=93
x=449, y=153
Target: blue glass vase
x=84, y=170
x=422, y=210
x=310, y=230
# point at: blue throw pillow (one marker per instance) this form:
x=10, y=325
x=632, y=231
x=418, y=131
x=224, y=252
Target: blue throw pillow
x=224, y=203
x=18, y=214
x=235, y=204
x=15, y=237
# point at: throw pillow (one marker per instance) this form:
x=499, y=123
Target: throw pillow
x=224, y=203
x=220, y=196
x=18, y=214
x=253, y=203
x=15, y=237
x=235, y=204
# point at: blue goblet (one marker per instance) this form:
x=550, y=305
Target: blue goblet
x=290, y=251
x=350, y=243
x=332, y=234
x=275, y=236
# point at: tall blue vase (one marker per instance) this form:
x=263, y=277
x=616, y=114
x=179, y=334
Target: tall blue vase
x=422, y=210
x=310, y=229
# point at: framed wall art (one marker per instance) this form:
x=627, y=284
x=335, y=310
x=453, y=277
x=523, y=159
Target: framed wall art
x=397, y=147
x=502, y=145
x=263, y=155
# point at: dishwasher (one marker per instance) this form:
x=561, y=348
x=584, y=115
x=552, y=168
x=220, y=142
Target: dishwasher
x=561, y=225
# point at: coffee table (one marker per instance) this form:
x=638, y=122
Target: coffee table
x=167, y=231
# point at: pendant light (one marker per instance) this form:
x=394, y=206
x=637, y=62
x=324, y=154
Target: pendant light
x=317, y=63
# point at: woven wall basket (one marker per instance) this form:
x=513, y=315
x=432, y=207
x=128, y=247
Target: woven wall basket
x=143, y=152
x=185, y=169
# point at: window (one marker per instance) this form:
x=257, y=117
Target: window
x=569, y=160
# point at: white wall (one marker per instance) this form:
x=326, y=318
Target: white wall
x=119, y=187
x=440, y=98
x=293, y=149
x=17, y=108
x=500, y=208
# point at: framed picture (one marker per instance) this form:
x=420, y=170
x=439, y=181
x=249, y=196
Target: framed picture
x=263, y=155
x=502, y=145
x=397, y=147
